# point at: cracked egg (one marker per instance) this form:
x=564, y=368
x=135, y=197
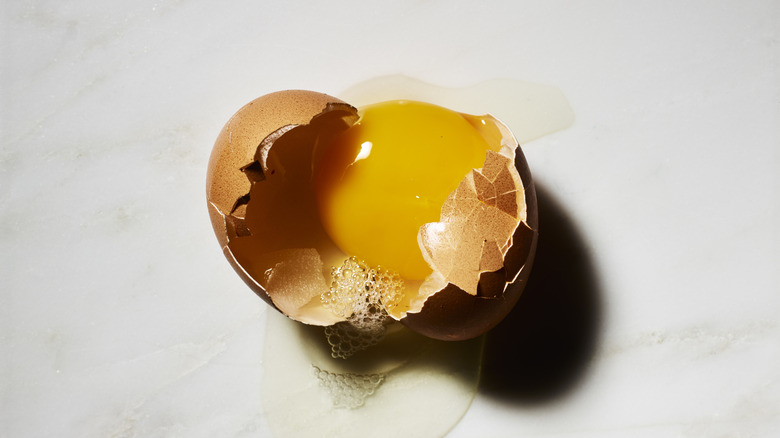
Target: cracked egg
x=400, y=210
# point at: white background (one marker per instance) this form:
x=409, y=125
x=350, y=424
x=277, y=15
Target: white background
x=119, y=316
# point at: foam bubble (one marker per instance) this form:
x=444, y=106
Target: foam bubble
x=362, y=295
x=348, y=390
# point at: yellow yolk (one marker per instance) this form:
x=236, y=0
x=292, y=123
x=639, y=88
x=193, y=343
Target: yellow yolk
x=389, y=174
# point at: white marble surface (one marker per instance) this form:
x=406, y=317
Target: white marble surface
x=120, y=317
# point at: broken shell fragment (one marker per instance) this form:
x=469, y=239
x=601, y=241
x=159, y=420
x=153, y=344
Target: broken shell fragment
x=271, y=179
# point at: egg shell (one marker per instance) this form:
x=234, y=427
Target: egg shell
x=453, y=314
x=237, y=145
x=449, y=314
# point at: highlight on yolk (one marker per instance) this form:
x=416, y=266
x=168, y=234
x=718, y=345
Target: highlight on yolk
x=389, y=174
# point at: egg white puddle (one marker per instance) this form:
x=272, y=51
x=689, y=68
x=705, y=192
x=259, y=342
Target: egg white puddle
x=413, y=386
x=530, y=110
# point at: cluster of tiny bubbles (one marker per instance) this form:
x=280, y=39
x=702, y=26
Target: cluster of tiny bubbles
x=346, y=339
x=362, y=295
x=348, y=390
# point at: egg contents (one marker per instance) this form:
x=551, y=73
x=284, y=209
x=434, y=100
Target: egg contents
x=388, y=175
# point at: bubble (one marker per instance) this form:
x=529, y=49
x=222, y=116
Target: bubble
x=348, y=390
x=346, y=338
x=362, y=295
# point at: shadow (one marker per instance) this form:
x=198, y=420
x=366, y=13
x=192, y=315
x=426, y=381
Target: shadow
x=540, y=351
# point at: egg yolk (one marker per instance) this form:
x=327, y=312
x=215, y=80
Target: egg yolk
x=389, y=174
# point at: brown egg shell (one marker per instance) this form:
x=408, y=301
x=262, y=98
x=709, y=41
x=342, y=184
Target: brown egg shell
x=453, y=314
x=238, y=144
x=450, y=314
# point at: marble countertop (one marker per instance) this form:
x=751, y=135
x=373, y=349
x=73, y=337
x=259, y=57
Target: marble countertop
x=656, y=310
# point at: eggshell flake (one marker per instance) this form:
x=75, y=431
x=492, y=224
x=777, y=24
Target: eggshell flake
x=479, y=232
x=491, y=218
